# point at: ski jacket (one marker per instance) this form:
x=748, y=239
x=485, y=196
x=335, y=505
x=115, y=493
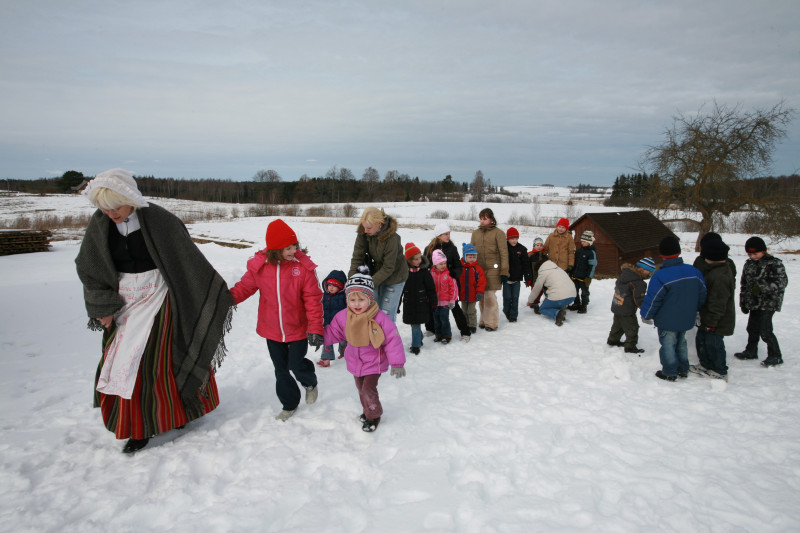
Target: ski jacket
x=419, y=295
x=556, y=283
x=490, y=243
x=290, y=300
x=719, y=311
x=674, y=296
x=769, y=275
x=450, y=251
x=629, y=292
x=386, y=250
x=472, y=281
x=446, y=288
x=585, y=263
x=560, y=249
x=367, y=360
x=333, y=303
x=519, y=266
x=533, y=258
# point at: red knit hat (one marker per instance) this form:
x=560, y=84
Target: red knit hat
x=512, y=233
x=563, y=222
x=280, y=235
x=411, y=250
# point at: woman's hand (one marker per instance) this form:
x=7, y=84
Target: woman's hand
x=106, y=321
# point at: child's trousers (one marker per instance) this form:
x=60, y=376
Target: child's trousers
x=471, y=312
x=627, y=325
x=441, y=322
x=291, y=357
x=368, y=394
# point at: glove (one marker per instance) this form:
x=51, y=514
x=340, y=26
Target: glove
x=451, y=305
x=315, y=339
x=569, y=269
x=503, y=279
x=535, y=307
x=648, y=321
x=398, y=372
x=708, y=329
x=745, y=310
x=756, y=290
x=479, y=297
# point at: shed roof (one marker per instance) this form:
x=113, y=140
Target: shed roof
x=630, y=231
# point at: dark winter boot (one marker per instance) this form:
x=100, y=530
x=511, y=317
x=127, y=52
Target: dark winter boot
x=535, y=307
x=573, y=307
x=660, y=375
x=633, y=349
x=615, y=343
x=746, y=355
x=582, y=310
x=560, y=317
x=134, y=445
x=370, y=425
x=772, y=361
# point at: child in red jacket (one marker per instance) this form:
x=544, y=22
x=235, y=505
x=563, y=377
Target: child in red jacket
x=289, y=312
x=473, y=284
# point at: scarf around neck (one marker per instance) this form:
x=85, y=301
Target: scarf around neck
x=362, y=329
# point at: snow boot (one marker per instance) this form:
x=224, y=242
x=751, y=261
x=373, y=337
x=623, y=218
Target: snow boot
x=134, y=445
x=466, y=338
x=535, y=307
x=369, y=425
x=582, y=310
x=324, y=362
x=619, y=344
x=311, y=394
x=446, y=340
x=573, y=307
x=415, y=350
x=745, y=355
x=285, y=415
x=560, y=317
x=772, y=361
x=660, y=375
x=633, y=349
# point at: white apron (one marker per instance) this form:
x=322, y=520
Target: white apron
x=144, y=294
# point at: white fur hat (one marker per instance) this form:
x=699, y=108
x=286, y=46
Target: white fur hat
x=118, y=180
x=440, y=228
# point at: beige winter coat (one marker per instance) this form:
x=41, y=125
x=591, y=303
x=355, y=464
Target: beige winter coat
x=556, y=283
x=561, y=249
x=490, y=243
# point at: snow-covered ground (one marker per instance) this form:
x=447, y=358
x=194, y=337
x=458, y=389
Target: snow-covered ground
x=530, y=428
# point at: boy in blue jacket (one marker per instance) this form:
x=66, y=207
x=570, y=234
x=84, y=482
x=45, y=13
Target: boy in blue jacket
x=333, y=301
x=675, y=294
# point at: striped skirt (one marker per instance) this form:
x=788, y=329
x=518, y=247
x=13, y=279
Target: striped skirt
x=155, y=406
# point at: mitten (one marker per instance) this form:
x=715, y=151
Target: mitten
x=745, y=310
x=756, y=290
x=479, y=297
x=398, y=372
x=503, y=279
x=315, y=339
x=569, y=269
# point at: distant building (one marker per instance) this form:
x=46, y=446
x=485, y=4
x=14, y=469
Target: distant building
x=621, y=237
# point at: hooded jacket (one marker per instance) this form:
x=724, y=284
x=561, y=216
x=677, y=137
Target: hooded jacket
x=674, y=296
x=419, y=295
x=386, y=249
x=333, y=303
x=629, y=291
x=556, y=283
x=719, y=311
x=290, y=300
x=473, y=281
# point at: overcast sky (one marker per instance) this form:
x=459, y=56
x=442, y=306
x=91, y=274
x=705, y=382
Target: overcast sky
x=529, y=92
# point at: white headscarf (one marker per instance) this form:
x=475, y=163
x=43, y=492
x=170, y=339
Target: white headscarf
x=119, y=180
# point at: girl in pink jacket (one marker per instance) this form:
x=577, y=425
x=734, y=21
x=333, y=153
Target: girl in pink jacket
x=447, y=292
x=373, y=344
x=289, y=312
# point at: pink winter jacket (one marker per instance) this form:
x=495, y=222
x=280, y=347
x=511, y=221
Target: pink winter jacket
x=366, y=360
x=290, y=300
x=446, y=287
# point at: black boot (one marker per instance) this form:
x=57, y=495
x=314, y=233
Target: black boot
x=582, y=310
x=134, y=445
x=633, y=349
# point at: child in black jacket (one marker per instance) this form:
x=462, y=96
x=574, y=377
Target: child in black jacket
x=629, y=293
x=519, y=270
x=583, y=272
x=419, y=294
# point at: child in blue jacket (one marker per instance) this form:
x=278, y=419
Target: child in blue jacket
x=333, y=301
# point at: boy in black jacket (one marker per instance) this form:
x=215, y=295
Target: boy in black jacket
x=582, y=274
x=628, y=296
x=519, y=270
x=419, y=294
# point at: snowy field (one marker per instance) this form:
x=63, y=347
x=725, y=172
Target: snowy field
x=530, y=428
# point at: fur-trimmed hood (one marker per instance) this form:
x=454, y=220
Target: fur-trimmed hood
x=388, y=228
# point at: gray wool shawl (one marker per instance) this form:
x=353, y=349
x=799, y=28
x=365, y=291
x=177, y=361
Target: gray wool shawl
x=199, y=297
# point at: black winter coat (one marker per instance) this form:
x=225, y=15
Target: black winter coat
x=719, y=311
x=519, y=266
x=419, y=295
x=629, y=292
x=585, y=262
x=769, y=275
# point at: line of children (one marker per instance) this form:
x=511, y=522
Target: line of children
x=519, y=270
x=333, y=301
x=583, y=271
x=472, y=283
x=373, y=344
x=446, y=294
x=419, y=295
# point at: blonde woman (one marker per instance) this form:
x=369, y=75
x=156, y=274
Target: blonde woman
x=378, y=238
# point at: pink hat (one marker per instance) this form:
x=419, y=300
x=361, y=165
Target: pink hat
x=439, y=257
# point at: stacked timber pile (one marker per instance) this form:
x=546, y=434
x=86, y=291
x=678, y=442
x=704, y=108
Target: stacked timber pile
x=21, y=241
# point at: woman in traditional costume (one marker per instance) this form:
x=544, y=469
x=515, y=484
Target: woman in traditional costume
x=163, y=310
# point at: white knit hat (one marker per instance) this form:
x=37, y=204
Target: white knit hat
x=118, y=180
x=440, y=228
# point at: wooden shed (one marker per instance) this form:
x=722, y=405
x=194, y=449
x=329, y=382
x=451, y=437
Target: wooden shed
x=621, y=237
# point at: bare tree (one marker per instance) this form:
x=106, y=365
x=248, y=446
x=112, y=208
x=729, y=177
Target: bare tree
x=267, y=176
x=478, y=187
x=704, y=158
x=371, y=177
